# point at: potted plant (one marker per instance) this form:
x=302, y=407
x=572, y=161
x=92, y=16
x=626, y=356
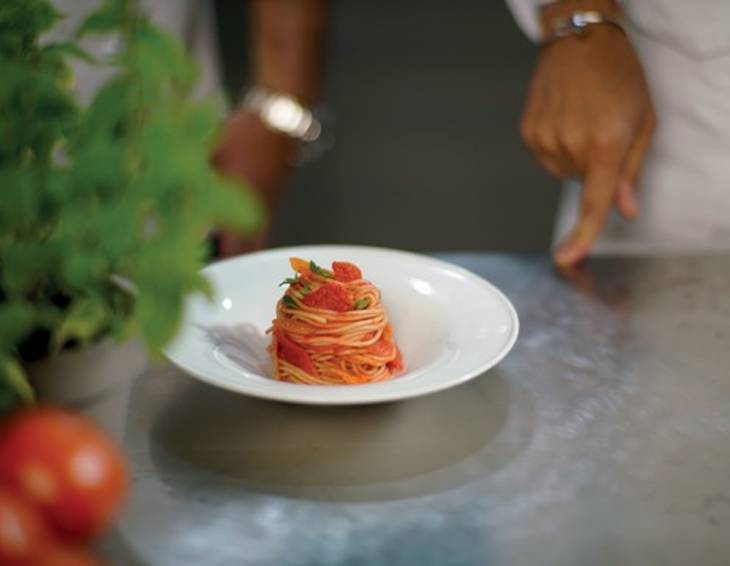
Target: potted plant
x=104, y=207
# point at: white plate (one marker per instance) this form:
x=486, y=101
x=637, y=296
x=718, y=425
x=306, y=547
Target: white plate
x=450, y=324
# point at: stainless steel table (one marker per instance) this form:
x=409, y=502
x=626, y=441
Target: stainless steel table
x=604, y=438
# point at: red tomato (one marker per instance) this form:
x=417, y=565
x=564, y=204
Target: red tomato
x=345, y=271
x=294, y=354
x=65, y=467
x=331, y=297
x=22, y=530
x=57, y=555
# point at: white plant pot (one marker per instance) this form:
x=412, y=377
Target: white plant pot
x=95, y=381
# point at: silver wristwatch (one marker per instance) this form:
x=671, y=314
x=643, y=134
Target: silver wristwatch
x=283, y=113
x=577, y=23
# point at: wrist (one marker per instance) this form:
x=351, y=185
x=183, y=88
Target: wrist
x=283, y=114
x=555, y=15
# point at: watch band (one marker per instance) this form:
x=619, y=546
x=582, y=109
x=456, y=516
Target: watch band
x=577, y=23
x=283, y=113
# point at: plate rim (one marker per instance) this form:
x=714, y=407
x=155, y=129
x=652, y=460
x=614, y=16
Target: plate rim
x=386, y=396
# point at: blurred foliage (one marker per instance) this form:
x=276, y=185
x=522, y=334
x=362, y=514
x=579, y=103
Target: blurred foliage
x=104, y=207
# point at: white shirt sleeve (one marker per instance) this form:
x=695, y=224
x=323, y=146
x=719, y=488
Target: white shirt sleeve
x=525, y=13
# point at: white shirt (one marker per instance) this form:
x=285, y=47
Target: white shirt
x=684, y=191
x=191, y=21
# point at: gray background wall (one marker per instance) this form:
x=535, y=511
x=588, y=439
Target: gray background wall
x=426, y=96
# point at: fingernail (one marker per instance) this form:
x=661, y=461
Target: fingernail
x=568, y=254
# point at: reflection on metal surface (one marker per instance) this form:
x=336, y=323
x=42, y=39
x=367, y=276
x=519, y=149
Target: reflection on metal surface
x=603, y=439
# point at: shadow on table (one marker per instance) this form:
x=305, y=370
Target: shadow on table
x=367, y=453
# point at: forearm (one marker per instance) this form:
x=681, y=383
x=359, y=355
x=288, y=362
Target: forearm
x=288, y=48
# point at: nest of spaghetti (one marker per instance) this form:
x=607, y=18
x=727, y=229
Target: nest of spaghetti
x=331, y=328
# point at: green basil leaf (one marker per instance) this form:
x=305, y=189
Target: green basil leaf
x=362, y=304
x=314, y=268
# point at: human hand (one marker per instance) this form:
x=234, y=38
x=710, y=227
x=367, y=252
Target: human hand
x=251, y=152
x=589, y=114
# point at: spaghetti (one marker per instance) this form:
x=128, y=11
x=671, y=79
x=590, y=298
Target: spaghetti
x=331, y=328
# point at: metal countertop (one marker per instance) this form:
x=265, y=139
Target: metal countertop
x=603, y=438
